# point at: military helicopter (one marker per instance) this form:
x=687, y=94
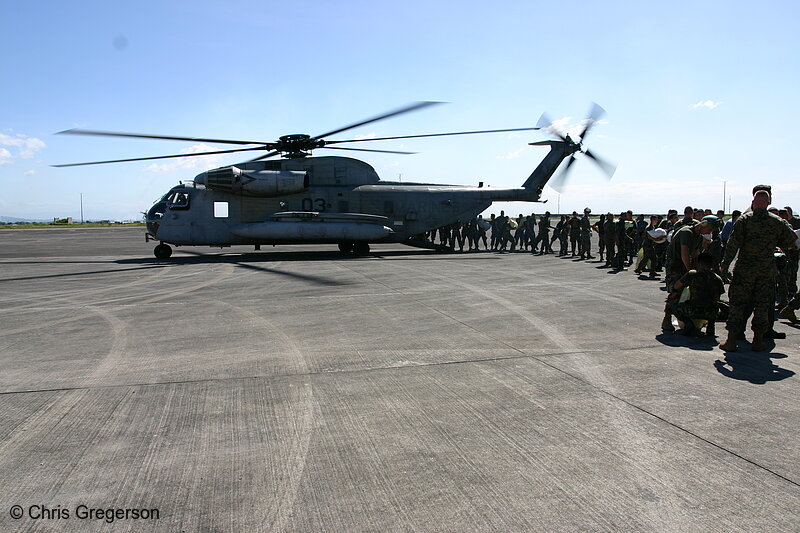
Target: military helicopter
x=300, y=199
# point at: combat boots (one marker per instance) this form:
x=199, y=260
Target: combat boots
x=730, y=344
x=788, y=313
x=666, y=324
x=758, y=343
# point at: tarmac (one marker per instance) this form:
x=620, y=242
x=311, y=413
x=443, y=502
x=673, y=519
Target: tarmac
x=295, y=389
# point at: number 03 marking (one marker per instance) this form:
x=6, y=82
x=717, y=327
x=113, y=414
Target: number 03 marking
x=317, y=204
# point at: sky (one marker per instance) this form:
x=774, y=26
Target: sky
x=701, y=97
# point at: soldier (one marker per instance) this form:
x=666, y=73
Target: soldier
x=482, y=226
x=630, y=237
x=684, y=247
x=574, y=225
x=728, y=227
x=544, y=234
x=619, y=241
x=560, y=233
x=601, y=236
x=688, y=218
x=649, y=255
x=705, y=288
x=754, y=238
x=460, y=233
x=586, y=235
x=610, y=234
x=792, y=255
x=519, y=233
x=495, y=234
x=531, y=223
x=641, y=224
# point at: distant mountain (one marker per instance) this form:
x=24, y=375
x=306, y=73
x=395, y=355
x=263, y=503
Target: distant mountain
x=13, y=220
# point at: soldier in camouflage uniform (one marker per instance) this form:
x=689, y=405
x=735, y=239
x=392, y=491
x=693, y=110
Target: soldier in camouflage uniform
x=793, y=255
x=544, y=235
x=754, y=238
x=649, y=256
x=609, y=230
x=705, y=288
x=684, y=247
x=586, y=235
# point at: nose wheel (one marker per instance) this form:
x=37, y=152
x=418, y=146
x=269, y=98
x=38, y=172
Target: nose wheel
x=162, y=251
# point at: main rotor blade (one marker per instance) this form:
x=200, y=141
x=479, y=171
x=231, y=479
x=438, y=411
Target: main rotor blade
x=605, y=166
x=77, y=131
x=367, y=150
x=428, y=135
x=265, y=156
x=407, y=109
x=159, y=157
x=595, y=114
x=560, y=181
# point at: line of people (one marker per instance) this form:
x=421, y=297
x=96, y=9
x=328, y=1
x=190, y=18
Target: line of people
x=694, y=252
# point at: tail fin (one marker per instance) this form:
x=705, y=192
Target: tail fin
x=559, y=150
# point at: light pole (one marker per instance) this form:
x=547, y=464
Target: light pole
x=724, y=194
x=81, y=208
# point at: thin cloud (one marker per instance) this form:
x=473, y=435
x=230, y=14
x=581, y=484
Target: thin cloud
x=565, y=126
x=513, y=155
x=708, y=104
x=29, y=172
x=19, y=146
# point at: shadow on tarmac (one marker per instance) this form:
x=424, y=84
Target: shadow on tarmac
x=754, y=367
x=72, y=274
x=744, y=365
x=677, y=339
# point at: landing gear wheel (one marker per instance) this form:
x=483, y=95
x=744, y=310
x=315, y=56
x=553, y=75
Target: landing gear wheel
x=162, y=251
x=361, y=248
x=346, y=247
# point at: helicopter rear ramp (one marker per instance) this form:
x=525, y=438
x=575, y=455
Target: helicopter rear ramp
x=297, y=390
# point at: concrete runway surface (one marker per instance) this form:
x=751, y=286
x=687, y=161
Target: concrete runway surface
x=293, y=389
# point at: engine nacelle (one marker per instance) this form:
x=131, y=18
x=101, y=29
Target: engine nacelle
x=263, y=183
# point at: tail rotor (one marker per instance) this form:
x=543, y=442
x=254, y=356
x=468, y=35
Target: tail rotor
x=595, y=114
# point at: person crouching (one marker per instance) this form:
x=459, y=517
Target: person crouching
x=702, y=303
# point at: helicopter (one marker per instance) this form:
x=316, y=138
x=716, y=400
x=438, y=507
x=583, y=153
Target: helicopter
x=301, y=199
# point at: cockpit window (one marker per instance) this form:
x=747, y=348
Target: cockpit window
x=178, y=200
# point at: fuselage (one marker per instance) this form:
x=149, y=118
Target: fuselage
x=227, y=207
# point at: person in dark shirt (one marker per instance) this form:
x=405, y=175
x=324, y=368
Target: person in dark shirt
x=685, y=245
x=705, y=288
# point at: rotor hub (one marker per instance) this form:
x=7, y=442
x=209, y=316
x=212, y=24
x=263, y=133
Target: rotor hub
x=298, y=145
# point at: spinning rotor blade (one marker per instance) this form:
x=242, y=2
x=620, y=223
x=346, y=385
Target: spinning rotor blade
x=560, y=181
x=76, y=131
x=595, y=114
x=545, y=123
x=407, y=109
x=159, y=157
x=605, y=166
x=428, y=135
x=366, y=150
